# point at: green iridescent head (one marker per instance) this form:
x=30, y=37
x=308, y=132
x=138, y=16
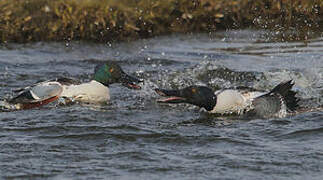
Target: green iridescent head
x=110, y=72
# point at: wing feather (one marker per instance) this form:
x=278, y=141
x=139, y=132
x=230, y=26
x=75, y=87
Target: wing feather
x=38, y=92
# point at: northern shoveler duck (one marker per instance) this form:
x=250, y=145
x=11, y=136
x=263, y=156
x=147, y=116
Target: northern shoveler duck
x=276, y=103
x=95, y=91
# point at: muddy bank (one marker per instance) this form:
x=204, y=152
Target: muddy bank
x=112, y=20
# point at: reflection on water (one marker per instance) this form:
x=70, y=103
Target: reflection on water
x=133, y=137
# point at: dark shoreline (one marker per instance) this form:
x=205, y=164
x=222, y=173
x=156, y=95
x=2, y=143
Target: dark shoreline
x=112, y=20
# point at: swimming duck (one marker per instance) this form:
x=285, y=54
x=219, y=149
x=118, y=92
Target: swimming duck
x=94, y=91
x=277, y=102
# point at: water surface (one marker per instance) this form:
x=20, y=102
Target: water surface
x=133, y=137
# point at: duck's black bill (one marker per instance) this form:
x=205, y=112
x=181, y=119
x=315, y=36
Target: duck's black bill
x=130, y=82
x=174, y=96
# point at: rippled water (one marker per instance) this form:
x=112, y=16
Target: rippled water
x=133, y=137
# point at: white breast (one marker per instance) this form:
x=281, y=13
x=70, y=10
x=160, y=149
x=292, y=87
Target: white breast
x=92, y=91
x=228, y=101
x=233, y=101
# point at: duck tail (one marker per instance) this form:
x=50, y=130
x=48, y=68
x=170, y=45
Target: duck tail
x=289, y=96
